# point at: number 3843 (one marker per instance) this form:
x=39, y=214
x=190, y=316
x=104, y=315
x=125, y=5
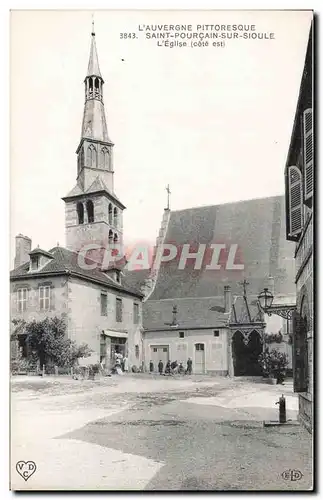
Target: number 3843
x=128, y=35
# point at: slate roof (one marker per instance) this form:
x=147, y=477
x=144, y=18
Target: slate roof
x=65, y=261
x=191, y=313
x=37, y=251
x=258, y=228
x=93, y=68
x=97, y=186
x=137, y=278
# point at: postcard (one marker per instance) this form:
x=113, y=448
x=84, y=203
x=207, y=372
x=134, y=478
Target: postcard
x=161, y=283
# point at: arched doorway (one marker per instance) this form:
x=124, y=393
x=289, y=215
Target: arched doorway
x=246, y=348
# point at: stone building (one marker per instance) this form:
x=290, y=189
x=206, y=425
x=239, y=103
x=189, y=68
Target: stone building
x=210, y=309
x=99, y=306
x=299, y=182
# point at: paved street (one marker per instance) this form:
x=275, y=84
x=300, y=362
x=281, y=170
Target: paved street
x=156, y=433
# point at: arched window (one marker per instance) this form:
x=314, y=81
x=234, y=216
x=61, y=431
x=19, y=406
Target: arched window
x=90, y=211
x=115, y=239
x=104, y=158
x=110, y=213
x=80, y=213
x=91, y=156
x=115, y=217
x=110, y=236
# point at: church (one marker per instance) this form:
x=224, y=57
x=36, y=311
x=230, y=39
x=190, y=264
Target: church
x=167, y=312
x=211, y=314
x=100, y=308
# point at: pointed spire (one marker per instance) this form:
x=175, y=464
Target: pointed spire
x=93, y=67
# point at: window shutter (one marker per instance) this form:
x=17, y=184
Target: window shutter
x=295, y=201
x=299, y=353
x=308, y=153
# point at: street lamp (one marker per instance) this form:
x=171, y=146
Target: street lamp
x=265, y=299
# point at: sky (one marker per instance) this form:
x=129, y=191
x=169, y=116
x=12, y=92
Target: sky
x=212, y=122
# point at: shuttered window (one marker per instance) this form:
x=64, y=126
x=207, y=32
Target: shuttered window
x=308, y=153
x=299, y=353
x=119, y=310
x=295, y=201
x=104, y=304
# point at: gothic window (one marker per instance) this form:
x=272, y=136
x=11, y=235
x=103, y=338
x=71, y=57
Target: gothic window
x=91, y=156
x=115, y=239
x=115, y=217
x=110, y=213
x=96, y=83
x=104, y=158
x=90, y=211
x=110, y=236
x=80, y=213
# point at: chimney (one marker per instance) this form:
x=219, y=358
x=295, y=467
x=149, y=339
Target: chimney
x=227, y=298
x=271, y=284
x=23, y=247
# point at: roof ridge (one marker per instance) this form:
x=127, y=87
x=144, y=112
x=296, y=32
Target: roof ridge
x=229, y=203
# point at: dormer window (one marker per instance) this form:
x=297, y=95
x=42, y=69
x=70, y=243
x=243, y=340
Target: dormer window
x=38, y=259
x=34, y=262
x=118, y=276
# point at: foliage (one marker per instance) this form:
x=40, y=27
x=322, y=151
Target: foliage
x=47, y=340
x=274, y=364
x=273, y=338
x=17, y=362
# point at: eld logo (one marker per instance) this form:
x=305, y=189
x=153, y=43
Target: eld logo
x=292, y=475
x=25, y=469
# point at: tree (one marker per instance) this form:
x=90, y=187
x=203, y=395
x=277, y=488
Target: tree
x=274, y=364
x=47, y=339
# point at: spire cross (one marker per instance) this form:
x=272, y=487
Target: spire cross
x=93, y=32
x=168, y=195
x=244, y=284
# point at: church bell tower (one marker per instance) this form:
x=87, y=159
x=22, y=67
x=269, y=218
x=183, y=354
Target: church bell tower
x=93, y=213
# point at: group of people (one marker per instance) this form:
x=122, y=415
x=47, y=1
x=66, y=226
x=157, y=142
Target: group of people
x=172, y=367
x=121, y=362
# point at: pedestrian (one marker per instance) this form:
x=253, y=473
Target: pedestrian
x=174, y=367
x=160, y=367
x=167, y=368
x=125, y=364
x=189, y=366
x=151, y=367
x=181, y=368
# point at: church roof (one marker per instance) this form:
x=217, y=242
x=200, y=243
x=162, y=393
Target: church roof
x=76, y=191
x=93, y=66
x=65, y=261
x=97, y=186
x=191, y=313
x=257, y=226
x=94, y=125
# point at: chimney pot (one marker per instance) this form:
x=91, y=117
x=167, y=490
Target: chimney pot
x=227, y=298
